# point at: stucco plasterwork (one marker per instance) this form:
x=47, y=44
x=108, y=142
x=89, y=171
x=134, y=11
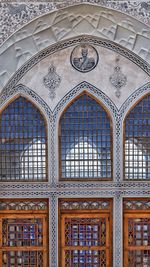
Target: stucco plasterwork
x=137, y=72
x=66, y=23
x=99, y=76
x=19, y=13
x=49, y=39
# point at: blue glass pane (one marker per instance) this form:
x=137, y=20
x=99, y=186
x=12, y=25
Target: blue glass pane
x=137, y=146
x=85, y=140
x=85, y=258
x=22, y=141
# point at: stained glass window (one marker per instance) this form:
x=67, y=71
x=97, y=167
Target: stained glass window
x=22, y=142
x=137, y=141
x=85, y=141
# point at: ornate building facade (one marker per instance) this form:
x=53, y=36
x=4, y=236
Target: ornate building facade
x=75, y=133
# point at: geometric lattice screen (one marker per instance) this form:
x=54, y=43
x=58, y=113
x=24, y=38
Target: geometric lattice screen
x=85, y=233
x=137, y=233
x=85, y=141
x=137, y=141
x=24, y=231
x=22, y=142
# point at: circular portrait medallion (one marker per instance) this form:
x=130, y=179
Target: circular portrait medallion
x=84, y=57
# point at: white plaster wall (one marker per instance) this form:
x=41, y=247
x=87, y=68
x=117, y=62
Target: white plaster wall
x=49, y=29
x=70, y=22
x=99, y=76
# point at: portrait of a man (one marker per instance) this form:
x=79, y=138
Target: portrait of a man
x=84, y=58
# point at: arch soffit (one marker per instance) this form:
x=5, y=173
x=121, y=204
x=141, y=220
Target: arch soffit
x=71, y=22
x=97, y=19
x=27, y=12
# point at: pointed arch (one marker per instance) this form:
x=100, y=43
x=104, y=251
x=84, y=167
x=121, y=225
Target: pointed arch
x=85, y=140
x=24, y=91
x=137, y=140
x=23, y=143
x=94, y=92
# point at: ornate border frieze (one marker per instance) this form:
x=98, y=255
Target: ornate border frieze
x=77, y=193
x=15, y=15
x=23, y=205
x=117, y=228
x=136, y=204
x=84, y=204
x=54, y=230
x=64, y=186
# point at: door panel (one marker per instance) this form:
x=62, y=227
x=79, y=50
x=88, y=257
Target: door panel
x=85, y=239
x=137, y=235
x=23, y=241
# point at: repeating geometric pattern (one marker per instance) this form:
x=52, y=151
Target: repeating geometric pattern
x=23, y=205
x=53, y=189
x=18, y=14
x=80, y=205
x=118, y=116
x=60, y=25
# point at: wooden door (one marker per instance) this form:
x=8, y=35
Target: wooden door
x=85, y=239
x=23, y=238
x=137, y=235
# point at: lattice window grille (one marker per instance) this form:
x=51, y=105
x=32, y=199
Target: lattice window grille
x=22, y=142
x=85, y=141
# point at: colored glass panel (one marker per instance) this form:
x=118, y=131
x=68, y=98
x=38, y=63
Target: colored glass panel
x=22, y=142
x=85, y=141
x=139, y=232
x=22, y=259
x=85, y=258
x=22, y=232
x=138, y=258
x=85, y=232
x=137, y=141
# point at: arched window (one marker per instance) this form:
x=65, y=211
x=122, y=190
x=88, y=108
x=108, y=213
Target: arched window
x=137, y=141
x=22, y=142
x=85, y=141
